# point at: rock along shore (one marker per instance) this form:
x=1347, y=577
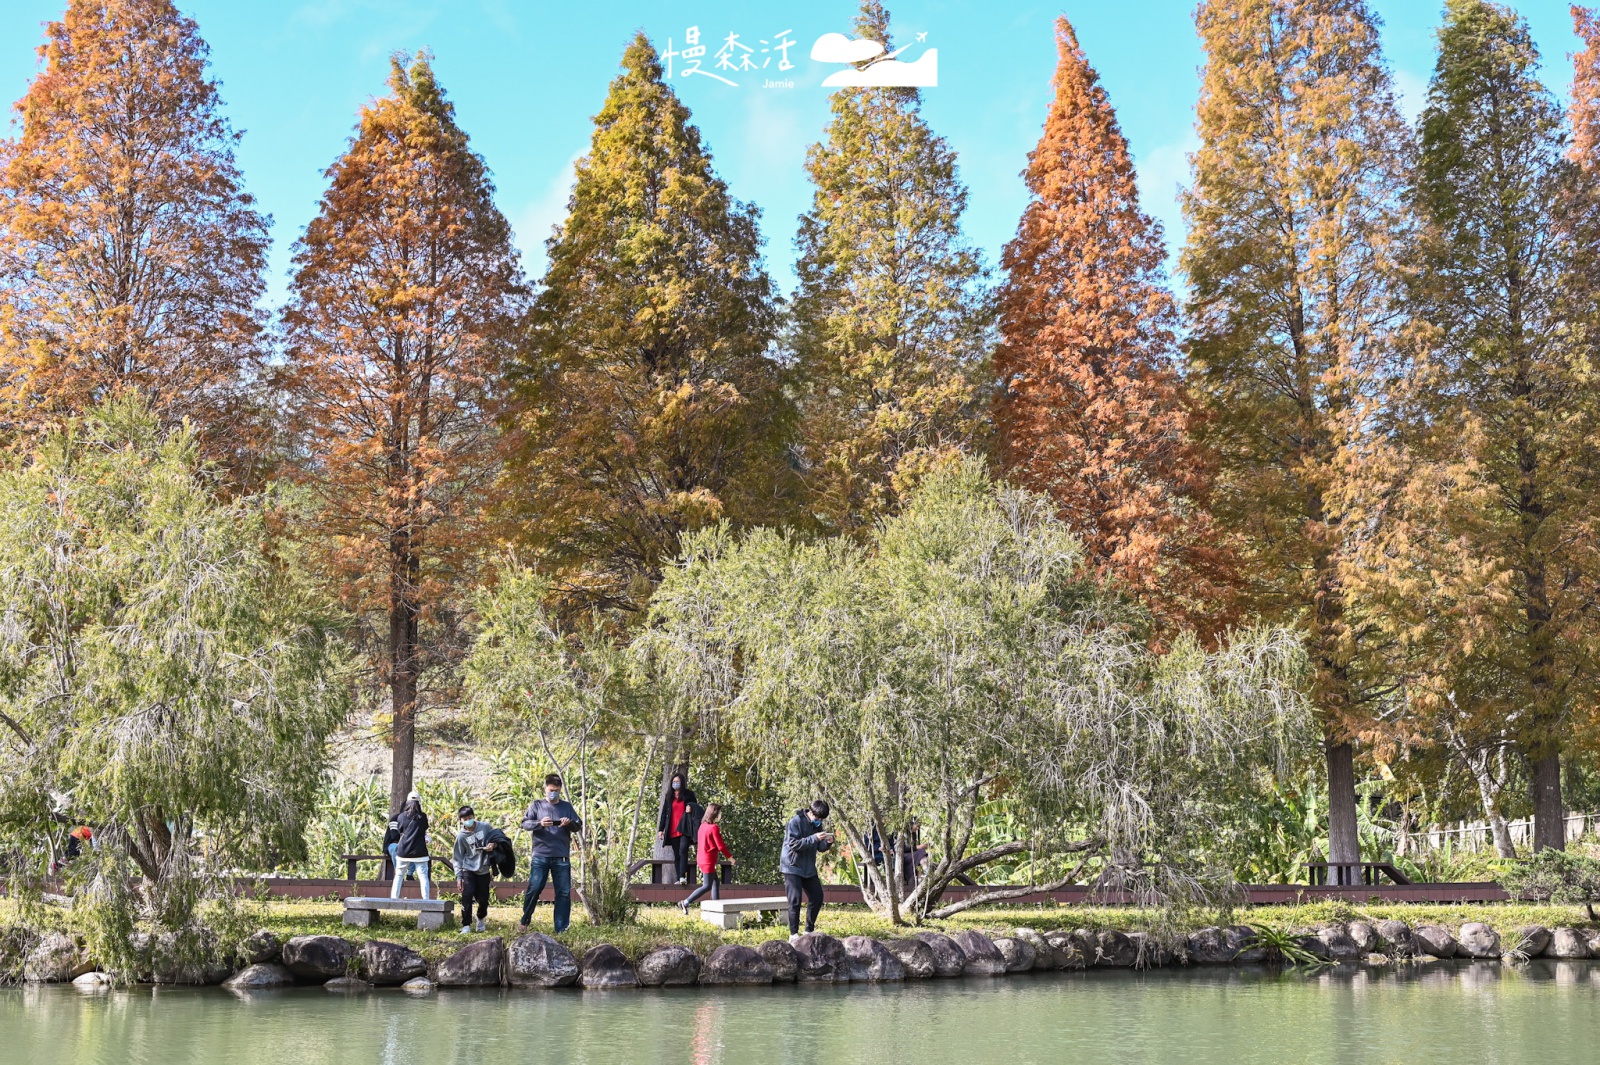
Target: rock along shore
x=536, y=961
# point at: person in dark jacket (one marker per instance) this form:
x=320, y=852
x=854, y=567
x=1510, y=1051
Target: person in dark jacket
x=677, y=824
x=411, y=847
x=473, y=858
x=553, y=822
x=804, y=837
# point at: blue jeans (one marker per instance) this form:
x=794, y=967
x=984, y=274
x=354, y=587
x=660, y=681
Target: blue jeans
x=544, y=869
x=405, y=866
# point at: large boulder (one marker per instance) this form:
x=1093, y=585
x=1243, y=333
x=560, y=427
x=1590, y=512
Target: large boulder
x=983, y=958
x=1115, y=950
x=1478, y=941
x=1338, y=944
x=389, y=964
x=669, y=967
x=948, y=958
x=1364, y=935
x=1019, y=954
x=1532, y=940
x=871, y=962
x=419, y=986
x=537, y=960
x=318, y=959
x=782, y=958
x=55, y=959
x=93, y=983
x=916, y=958
x=821, y=959
x=732, y=963
x=347, y=985
x=1246, y=945
x=605, y=968
x=260, y=947
x=478, y=964
x=1434, y=939
x=1066, y=950
x=1567, y=943
x=1209, y=946
x=259, y=977
x=1395, y=939
x=1043, y=956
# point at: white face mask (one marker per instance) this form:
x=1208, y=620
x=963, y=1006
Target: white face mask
x=552, y=795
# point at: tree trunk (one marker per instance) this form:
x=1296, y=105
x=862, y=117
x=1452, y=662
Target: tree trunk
x=402, y=696
x=1549, y=815
x=1344, y=840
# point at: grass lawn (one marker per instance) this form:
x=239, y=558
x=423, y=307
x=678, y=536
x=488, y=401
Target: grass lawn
x=662, y=925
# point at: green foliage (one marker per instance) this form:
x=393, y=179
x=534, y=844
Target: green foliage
x=161, y=678
x=1554, y=876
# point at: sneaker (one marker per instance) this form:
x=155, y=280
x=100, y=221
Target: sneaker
x=683, y=880
x=684, y=906
x=483, y=926
x=465, y=929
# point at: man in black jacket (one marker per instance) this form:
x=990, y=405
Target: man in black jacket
x=803, y=838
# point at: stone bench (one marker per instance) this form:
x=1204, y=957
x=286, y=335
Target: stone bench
x=724, y=913
x=362, y=911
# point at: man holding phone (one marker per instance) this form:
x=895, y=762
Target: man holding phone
x=553, y=822
x=804, y=837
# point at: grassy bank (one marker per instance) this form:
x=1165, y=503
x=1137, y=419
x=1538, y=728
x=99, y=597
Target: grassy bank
x=662, y=925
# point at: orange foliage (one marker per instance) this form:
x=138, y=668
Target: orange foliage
x=129, y=255
x=1585, y=108
x=1091, y=410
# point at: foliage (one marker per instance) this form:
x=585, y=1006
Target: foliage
x=956, y=657
x=889, y=323
x=1556, y=876
x=1292, y=221
x=1089, y=410
x=130, y=256
x=649, y=403
x=161, y=680
x=403, y=304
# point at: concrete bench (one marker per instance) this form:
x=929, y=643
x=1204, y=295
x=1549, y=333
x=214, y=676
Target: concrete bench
x=724, y=913
x=362, y=911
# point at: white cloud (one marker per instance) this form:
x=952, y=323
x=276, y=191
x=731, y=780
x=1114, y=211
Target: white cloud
x=532, y=225
x=837, y=48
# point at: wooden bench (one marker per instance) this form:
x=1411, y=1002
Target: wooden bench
x=362, y=911
x=724, y=913
x=386, y=870
x=1347, y=873
x=660, y=870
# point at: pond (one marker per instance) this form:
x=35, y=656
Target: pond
x=1545, y=1012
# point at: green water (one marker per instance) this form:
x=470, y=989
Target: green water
x=1546, y=1013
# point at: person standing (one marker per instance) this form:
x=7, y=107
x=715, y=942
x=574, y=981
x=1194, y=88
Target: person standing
x=411, y=848
x=709, y=849
x=553, y=822
x=676, y=825
x=473, y=857
x=804, y=837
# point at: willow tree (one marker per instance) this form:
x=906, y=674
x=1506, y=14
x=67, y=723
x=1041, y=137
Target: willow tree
x=162, y=678
x=962, y=654
x=1490, y=557
x=889, y=323
x=402, y=313
x=1292, y=219
x=649, y=403
x=1089, y=408
x=130, y=255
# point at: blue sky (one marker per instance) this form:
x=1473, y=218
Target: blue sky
x=526, y=77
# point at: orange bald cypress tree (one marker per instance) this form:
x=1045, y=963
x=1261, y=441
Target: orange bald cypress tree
x=130, y=255
x=403, y=311
x=1585, y=107
x=1090, y=409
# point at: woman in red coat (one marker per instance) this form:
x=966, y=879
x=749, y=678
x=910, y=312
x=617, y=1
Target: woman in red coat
x=710, y=850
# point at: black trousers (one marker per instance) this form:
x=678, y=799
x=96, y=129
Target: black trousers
x=680, y=856
x=711, y=882
x=475, y=886
x=794, y=886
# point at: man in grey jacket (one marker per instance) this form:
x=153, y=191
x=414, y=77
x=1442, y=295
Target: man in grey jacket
x=474, y=871
x=553, y=822
x=803, y=839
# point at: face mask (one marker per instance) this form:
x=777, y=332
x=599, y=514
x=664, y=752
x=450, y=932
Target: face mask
x=552, y=795
x=468, y=826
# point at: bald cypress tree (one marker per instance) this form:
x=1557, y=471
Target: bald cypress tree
x=889, y=323
x=1293, y=217
x=1090, y=409
x=649, y=401
x=130, y=254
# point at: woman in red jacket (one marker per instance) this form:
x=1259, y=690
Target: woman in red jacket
x=709, y=851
